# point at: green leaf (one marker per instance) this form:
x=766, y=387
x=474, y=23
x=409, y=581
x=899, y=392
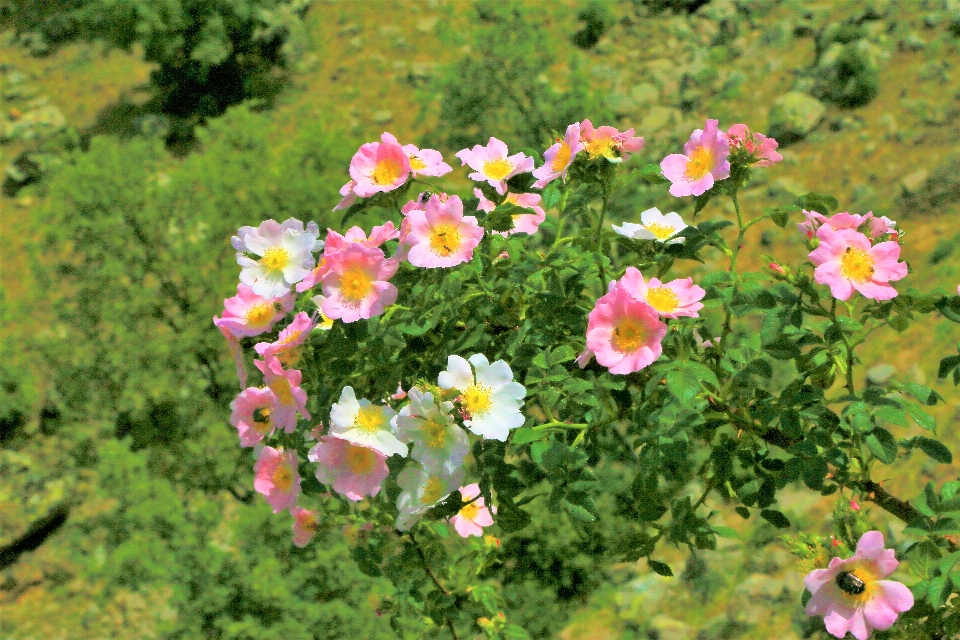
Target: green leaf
x=781, y=215
x=939, y=590
x=814, y=472
x=660, y=568
x=947, y=365
x=775, y=518
x=514, y=632
x=579, y=512
x=923, y=419
x=817, y=202
x=512, y=519
x=651, y=174
x=882, y=445
x=892, y=415
x=946, y=562
x=726, y=532
x=743, y=512
x=950, y=308
x=925, y=395
x=683, y=385
x=934, y=448
x=550, y=198
x=528, y=434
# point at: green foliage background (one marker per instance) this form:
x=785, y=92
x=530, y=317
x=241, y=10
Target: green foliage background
x=114, y=385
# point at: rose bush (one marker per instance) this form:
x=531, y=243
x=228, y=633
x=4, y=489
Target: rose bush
x=533, y=350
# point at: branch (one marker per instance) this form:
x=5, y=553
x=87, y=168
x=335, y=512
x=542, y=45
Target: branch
x=35, y=535
x=892, y=504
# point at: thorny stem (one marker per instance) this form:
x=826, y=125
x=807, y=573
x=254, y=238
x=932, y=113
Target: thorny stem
x=426, y=567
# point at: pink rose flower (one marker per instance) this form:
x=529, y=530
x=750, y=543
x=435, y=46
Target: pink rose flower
x=235, y=350
x=378, y=235
x=523, y=222
x=852, y=595
x=247, y=314
x=251, y=413
x=423, y=162
x=379, y=167
x=845, y=262
x=352, y=470
x=558, y=158
x=349, y=196
x=473, y=517
x=877, y=227
x=761, y=149
x=441, y=236
x=608, y=142
x=355, y=284
x=287, y=347
x=493, y=164
x=291, y=399
x=704, y=161
x=674, y=299
x=624, y=334
x=275, y=256
x=305, y=523
x=276, y=478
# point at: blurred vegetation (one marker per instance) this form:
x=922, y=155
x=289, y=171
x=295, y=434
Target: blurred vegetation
x=114, y=386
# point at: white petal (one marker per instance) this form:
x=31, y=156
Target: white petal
x=630, y=229
x=512, y=393
x=479, y=360
x=674, y=220
x=387, y=444
x=496, y=375
x=651, y=215
x=344, y=411
x=458, y=375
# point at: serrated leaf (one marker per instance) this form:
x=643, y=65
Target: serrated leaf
x=939, y=590
x=947, y=365
x=925, y=395
x=726, y=532
x=579, y=512
x=934, y=448
x=660, y=568
x=923, y=419
x=817, y=202
x=528, y=434
x=743, y=512
x=882, y=445
x=550, y=198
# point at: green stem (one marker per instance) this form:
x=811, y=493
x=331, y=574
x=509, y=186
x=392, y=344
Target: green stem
x=556, y=424
x=561, y=208
x=603, y=213
x=734, y=254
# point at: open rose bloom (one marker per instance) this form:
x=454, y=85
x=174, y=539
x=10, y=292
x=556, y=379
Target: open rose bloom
x=355, y=286
x=276, y=478
x=558, y=158
x=305, y=523
x=252, y=414
x=441, y=236
x=608, y=142
x=654, y=226
x=846, y=262
x=276, y=256
x=674, y=299
x=494, y=165
x=761, y=151
x=704, y=160
x=378, y=167
x=852, y=594
x=248, y=314
x=423, y=162
x=285, y=385
x=491, y=399
x=522, y=222
x=623, y=333
x=351, y=470
x=287, y=347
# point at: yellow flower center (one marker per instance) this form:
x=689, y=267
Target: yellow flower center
x=562, y=158
x=628, y=335
x=417, y=164
x=600, y=147
x=432, y=491
x=259, y=315
x=308, y=522
x=856, y=264
x=434, y=433
x=387, y=171
x=275, y=259
x=369, y=420
x=282, y=478
x=289, y=353
x=497, y=169
x=360, y=460
x=444, y=239
x=470, y=511
x=661, y=231
x=699, y=163
x=282, y=389
x=355, y=284
x=477, y=399
x=663, y=299
x=261, y=419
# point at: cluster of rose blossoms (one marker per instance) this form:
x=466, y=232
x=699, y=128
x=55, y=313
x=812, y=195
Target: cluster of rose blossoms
x=624, y=331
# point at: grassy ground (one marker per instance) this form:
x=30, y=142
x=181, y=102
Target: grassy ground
x=367, y=67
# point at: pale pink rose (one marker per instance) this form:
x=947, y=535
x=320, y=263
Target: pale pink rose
x=523, y=222
x=287, y=347
x=291, y=399
x=866, y=223
x=674, y=299
x=251, y=413
x=473, y=517
x=400, y=394
x=441, y=236
x=247, y=314
x=379, y=167
x=355, y=284
x=378, y=235
x=852, y=595
x=494, y=165
x=423, y=162
x=558, y=158
x=623, y=333
x=608, y=142
x=845, y=262
x=276, y=478
x=761, y=149
x=351, y=470
x=305, y=523
x=235, y=350
x=703, y=161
